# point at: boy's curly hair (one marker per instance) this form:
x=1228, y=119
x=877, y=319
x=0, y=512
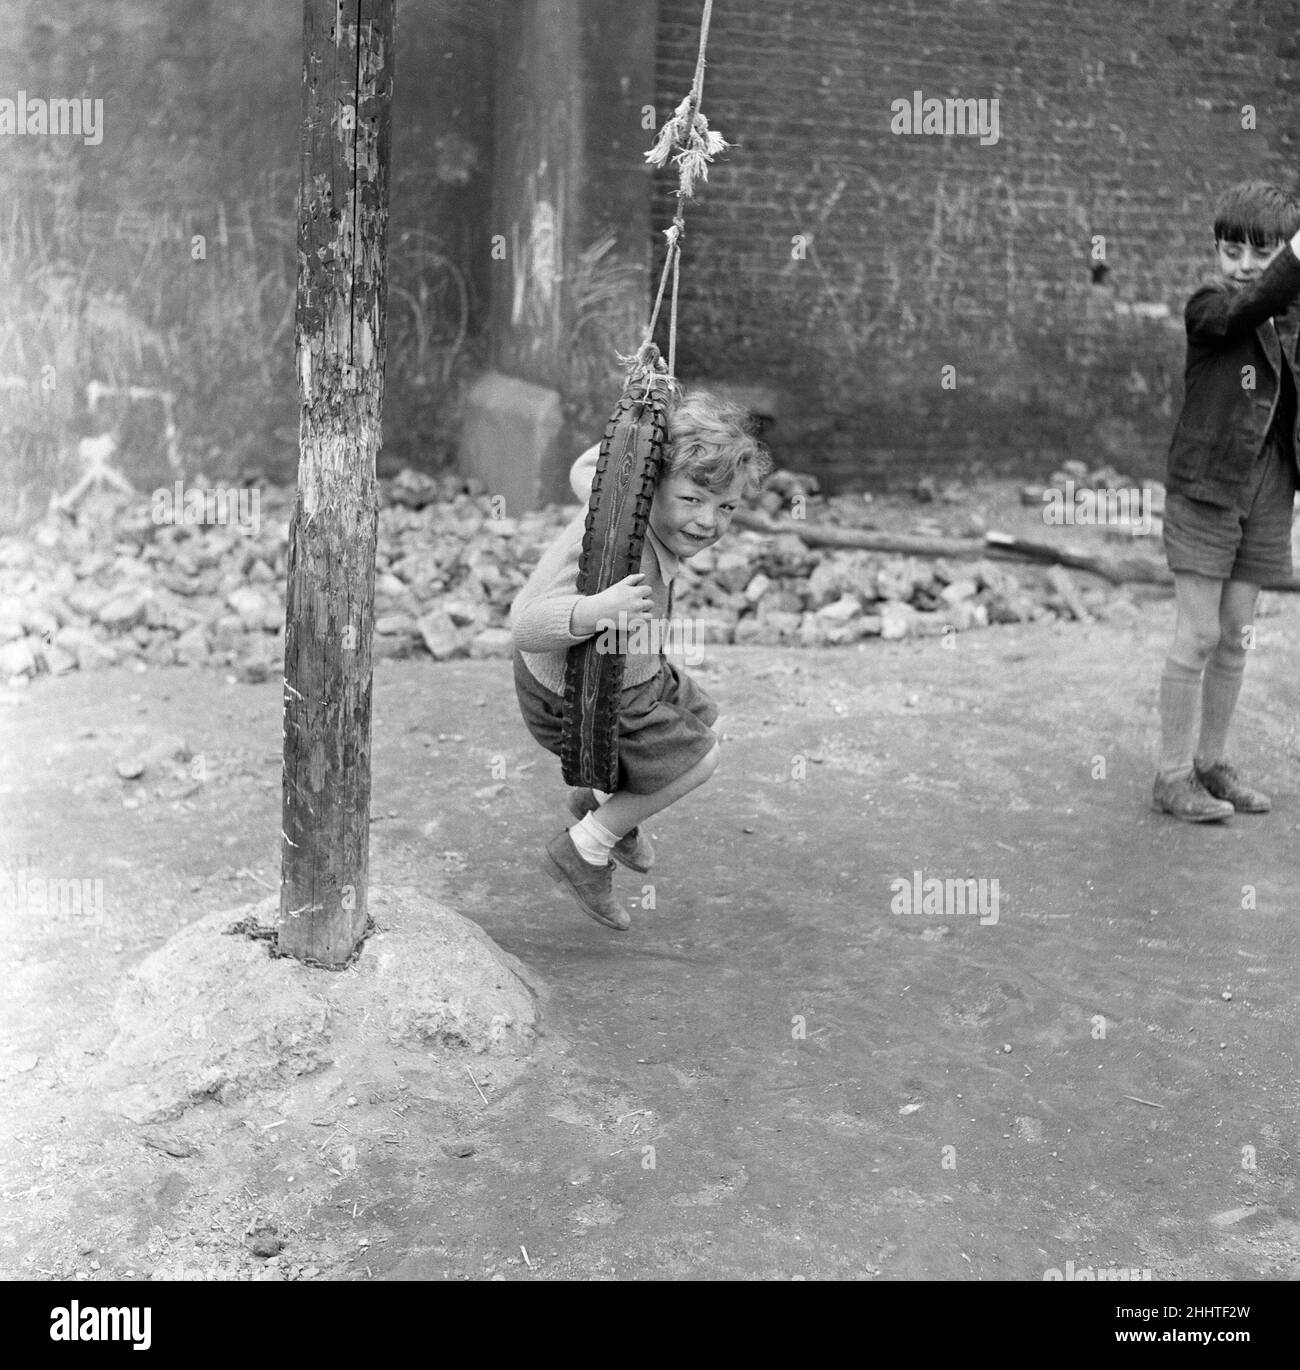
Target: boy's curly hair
x=712, y=442
x=1257, y=212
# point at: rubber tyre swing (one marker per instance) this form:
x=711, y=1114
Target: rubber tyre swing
x=632, y=454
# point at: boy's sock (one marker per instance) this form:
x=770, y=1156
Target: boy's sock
x=1180, y=707
x=593, y=840
x=601, y=796
x=1223, y=675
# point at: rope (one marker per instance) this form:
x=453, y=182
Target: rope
x=696, y=145
x=672, y=319
x=697, y=85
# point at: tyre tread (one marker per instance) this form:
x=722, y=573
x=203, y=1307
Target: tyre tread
x=612, y=543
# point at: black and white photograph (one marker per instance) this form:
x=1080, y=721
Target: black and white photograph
x=649, y=641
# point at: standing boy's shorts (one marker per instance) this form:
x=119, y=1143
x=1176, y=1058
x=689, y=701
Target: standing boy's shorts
x=664, y=725
x=1251, y=542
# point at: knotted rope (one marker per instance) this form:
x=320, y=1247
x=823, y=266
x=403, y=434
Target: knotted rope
x=687, y=138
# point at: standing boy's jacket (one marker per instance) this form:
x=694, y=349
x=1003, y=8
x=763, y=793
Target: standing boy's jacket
x=540, y=614
x=1225, y=421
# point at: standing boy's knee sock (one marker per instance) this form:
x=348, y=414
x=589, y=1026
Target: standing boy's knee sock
x=1223, y=675
x=1180, y=707
x=601, y=796
x=593, y=840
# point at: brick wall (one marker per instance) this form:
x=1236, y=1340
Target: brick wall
x=1121, y=118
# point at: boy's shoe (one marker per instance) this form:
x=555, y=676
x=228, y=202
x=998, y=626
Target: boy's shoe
x=1185, y=797
x=633, y=851
x=1222, y=781
x=592, y=886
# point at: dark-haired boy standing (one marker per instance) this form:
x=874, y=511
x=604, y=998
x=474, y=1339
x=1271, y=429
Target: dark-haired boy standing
x=1231, y=487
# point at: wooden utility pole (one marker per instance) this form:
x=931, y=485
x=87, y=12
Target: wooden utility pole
x=339, y=332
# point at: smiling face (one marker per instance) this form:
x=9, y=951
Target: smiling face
x=1240, y=263
x=687, y=517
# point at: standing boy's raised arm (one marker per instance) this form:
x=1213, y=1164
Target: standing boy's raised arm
x=1216, y=313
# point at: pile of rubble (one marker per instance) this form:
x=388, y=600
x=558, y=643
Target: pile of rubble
x=108, y=585
x=1079, y=475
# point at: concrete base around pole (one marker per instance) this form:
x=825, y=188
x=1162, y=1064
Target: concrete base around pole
x=212, y=1014
x=509, y=440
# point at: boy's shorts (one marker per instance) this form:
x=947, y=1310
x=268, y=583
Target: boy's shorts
x=664, y=725
x=1251, y=542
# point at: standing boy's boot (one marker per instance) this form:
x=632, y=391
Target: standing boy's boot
x=1185, y=797
x=634, y=851
x=1222, y=781
x=592, y=886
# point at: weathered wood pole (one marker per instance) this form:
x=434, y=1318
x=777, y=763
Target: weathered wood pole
x=339, y=333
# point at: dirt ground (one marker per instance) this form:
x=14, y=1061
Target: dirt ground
x=772, y=1075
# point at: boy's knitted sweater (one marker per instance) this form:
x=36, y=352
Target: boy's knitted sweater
x=541, y=613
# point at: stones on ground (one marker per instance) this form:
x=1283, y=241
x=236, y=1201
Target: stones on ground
x=732, y=570
x=958, y=590
x=162, y=756
x=439, y=634
x=123, y=611
x=43, y=621
x=771, y=628
x=757, y=588
x=253, y=671
x=931, y=623
x=192, y=647
x=901, y=578
x=492, y=642
x=812, y=633
x=1076, y=475
x=897, y=619
x=965, y=615
x=57, y=661
x=838, y=613
x=265, y=1242
x=1063, y=583
x=989, y=575
x=1014, y=607
x=87, y=649
x=463, y=615
x=105, y=586
x=17, y=659
x=256, y=610
x=169, y=748
x=824, y=583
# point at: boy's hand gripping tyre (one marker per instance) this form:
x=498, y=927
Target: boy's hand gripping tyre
x=631, y=455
